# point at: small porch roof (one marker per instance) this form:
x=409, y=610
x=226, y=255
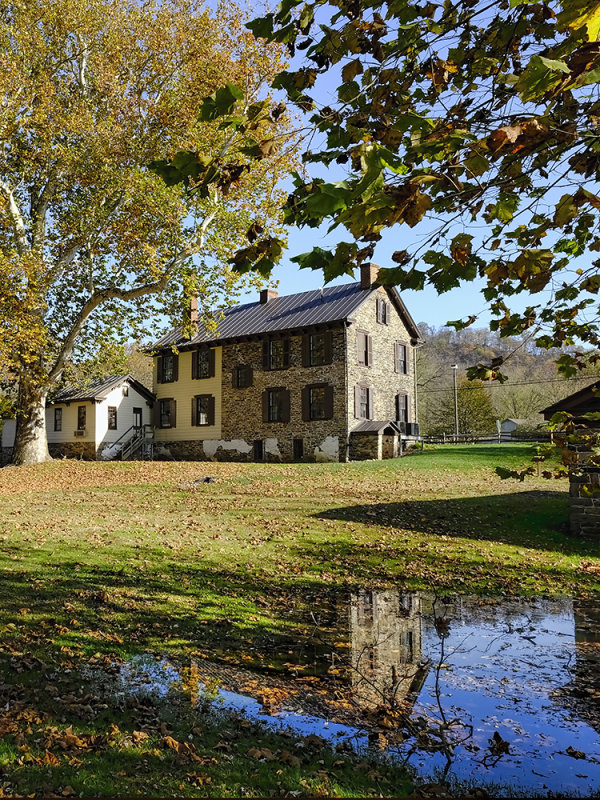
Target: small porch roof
x=374, y=426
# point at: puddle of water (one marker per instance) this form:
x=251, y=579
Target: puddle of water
x=480, y=692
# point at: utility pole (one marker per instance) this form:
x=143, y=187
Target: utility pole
x=454, y=367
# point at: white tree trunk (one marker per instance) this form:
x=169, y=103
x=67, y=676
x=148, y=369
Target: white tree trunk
x=31, y=443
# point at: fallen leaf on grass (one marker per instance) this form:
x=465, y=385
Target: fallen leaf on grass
x=261, y=752
x=290, y=758
x=185, y=752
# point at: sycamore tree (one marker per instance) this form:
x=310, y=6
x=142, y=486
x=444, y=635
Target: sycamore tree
x=94, y=95
x=474, y=124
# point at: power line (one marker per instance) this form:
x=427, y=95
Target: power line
x=497, y=385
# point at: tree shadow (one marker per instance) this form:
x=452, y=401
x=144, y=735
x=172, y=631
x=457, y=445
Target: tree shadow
x=115, y=612
x=531, y=519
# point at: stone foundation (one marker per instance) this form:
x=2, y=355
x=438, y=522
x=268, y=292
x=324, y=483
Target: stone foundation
x=82, y=450
x=584, y=511
x=274, y=450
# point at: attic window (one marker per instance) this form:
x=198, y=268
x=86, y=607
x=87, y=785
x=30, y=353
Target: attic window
x=126, y=391
x=383, y=311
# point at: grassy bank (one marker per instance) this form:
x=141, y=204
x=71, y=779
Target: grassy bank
x=102, y=561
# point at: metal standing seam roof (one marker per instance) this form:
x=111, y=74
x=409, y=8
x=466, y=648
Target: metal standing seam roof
x=316, y=307
x=99, y=390
x=374, y=426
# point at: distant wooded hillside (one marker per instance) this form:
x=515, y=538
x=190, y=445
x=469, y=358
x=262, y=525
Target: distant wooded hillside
x=533, y=378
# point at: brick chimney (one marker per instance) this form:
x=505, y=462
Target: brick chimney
x=368, y=274
x=194, y=309
x=267, y=295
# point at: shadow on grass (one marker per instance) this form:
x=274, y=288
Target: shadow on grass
x=530, y=519
x=76, y=612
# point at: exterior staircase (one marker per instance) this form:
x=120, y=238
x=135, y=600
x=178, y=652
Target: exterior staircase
x=136, y=443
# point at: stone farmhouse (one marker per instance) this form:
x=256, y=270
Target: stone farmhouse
x=325, y=375
x=108, y=419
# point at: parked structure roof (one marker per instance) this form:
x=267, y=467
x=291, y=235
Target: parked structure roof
x=99, y=390
x=289, y=312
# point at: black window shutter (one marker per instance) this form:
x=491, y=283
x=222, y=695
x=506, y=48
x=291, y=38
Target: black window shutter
x=369, y=350
x=159, y=369
x=360, y=346
x=306, y=349
x=286, y=352
x=211, y=363
x=328, y=347
x=175, y=369
x=266, y=363
x=371, y=397
x=211, y=410
x=173, y=414
x=248, y=376
x=396, y=356
x=234, y=373
x=357, y=402
x=265, y=405
x=194, y=364
x=285, y=405
x=194, y=418
x=156, y=414
x=408, y=408
x=306, y=404
x=397, y=399
x=329, y=402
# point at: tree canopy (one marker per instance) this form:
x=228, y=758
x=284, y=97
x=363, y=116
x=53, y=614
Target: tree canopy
x=474, y=123
x=94, y=92
x=474, y=407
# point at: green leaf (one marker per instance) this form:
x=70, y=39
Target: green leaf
x=537, y=79
x=554, y=65
x=262, y=27
x=348, y=92
x=220, y=103
x=566, y=211
x=476, y=165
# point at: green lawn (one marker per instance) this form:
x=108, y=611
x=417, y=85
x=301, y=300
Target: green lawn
x=102, y=561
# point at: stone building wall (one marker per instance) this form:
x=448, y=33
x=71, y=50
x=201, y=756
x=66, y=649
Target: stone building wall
x=242, y=414
x=380, y=375
x=584, y=509
x=365, y=446
x=83, y=450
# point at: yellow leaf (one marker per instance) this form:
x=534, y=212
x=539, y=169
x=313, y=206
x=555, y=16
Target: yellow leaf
x=579, y=14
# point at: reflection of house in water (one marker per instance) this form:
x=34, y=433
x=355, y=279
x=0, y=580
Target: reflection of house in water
x=386, y=647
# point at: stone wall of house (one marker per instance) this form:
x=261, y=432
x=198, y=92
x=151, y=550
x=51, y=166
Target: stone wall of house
x=584, y=511
x=380, y=375
x=242, y=413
